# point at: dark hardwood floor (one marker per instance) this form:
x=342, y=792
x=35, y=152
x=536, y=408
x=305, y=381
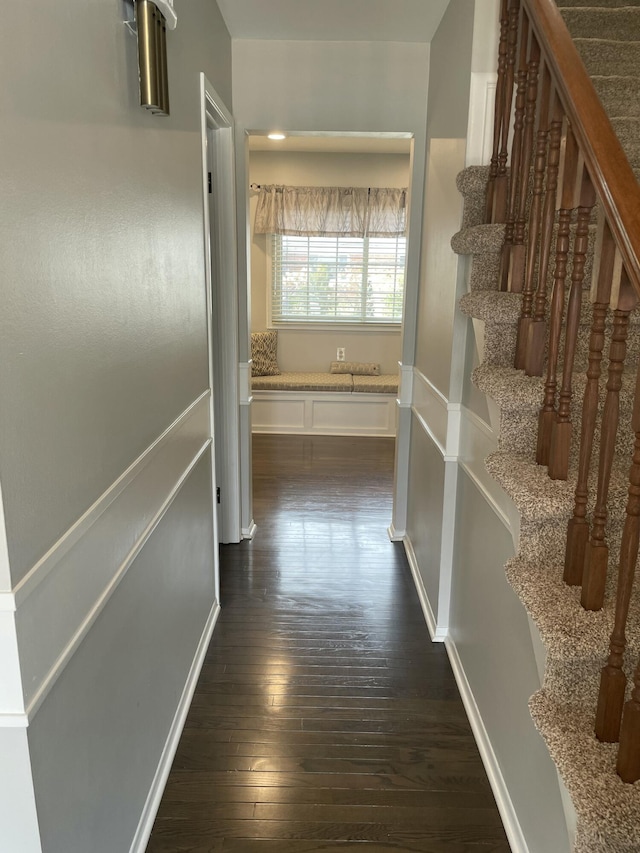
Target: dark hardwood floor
x=324, y=718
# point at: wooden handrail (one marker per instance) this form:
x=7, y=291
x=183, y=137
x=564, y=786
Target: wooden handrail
x=607, y=164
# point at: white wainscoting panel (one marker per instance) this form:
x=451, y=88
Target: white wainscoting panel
x=430, y=407
x=323, y=413
x=81, y=572
x=477, y=441
x=152, y=804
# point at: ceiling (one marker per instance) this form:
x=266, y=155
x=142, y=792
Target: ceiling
x=333, y=20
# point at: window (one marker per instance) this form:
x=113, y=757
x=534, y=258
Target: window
x=337, y=279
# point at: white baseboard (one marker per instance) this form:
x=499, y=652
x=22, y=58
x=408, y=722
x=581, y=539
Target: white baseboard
x=250, y=531
x=396, y=535
x=505, y=805
x=152, y=804
x=437, y=634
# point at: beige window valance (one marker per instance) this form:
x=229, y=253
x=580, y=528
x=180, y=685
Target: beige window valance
x=332, y=211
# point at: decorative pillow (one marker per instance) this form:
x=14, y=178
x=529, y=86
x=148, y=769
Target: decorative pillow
x=357, y=368
x=264, y=354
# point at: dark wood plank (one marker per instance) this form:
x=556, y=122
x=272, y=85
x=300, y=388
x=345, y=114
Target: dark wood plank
x=324, y=717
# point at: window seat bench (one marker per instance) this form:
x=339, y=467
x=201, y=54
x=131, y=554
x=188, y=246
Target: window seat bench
x=325, y=404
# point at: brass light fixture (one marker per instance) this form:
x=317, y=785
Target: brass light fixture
x=151, y=29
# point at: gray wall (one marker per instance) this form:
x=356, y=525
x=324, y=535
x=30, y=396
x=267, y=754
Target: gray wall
x=102, y=347
x=426, y=489
x=102, y=332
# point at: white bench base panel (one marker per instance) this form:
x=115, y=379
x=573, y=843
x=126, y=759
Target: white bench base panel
x=323, y=413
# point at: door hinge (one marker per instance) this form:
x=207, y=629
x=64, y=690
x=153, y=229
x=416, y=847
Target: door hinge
x=210, y=183
x=218, y=494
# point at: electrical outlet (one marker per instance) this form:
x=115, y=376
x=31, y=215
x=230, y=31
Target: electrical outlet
x=340, y=354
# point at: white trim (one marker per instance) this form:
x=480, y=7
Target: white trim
x=498, y=784
x=221, y=271
x=395, y=535
x=250, y=531
x=79, y=634
x=482, y=96
x=454, y=419
x=447, y=543
x=7, y=602
x=244, y=378
x=59, y=549
x=405, y=395
x=145, y=825
x=14, y=721
x=437, y=632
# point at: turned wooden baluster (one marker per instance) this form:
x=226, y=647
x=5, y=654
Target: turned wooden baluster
x=518, y=250
x=547, y=417
x=515, y=176
x=537, y=328
x=535, y=221
x=628, y=765
x=578, y=528
x=500, y=186
x=613, y=681
x=561, y=431
x=597, y=555
x=499, y=116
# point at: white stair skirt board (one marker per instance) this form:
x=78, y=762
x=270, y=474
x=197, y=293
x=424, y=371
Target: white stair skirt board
x=498, y=784
x=152, y=804
x=323, y=413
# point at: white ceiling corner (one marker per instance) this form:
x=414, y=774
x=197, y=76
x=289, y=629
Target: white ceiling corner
x=333, y=20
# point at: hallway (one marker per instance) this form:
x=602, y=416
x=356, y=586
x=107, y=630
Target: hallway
x=324, y=718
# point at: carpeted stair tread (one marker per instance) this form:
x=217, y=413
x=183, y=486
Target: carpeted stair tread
x=609, y=57
x=619, y=95
x=492, y=305
x=472, y=184
x=510, y=388
x=536, y=496
x=599, y=22
x=566, y=628
x=479, y=239
x=608, y=810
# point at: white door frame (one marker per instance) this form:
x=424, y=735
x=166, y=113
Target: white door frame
x=221, y=272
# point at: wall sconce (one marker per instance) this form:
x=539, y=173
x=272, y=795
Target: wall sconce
x=151, y=32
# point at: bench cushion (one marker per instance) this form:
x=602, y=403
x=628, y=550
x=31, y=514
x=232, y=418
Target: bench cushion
x=387, y=383
x=303, y=382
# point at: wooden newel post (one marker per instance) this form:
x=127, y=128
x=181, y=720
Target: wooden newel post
x=613, y=681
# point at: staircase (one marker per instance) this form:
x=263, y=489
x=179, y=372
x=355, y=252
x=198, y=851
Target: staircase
x=607, y=36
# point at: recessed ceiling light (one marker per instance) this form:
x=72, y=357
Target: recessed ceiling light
x=276, y=136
